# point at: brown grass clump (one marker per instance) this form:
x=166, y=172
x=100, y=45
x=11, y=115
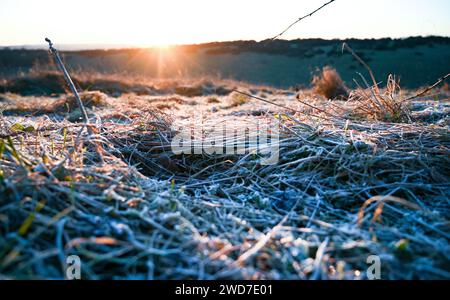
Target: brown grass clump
x=389, y=106
x=329, y=84
x=237, y=99
x=212, y=100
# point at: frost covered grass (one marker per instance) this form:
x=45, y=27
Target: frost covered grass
x=341, y=191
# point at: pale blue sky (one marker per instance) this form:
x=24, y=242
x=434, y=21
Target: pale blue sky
x=144, y=23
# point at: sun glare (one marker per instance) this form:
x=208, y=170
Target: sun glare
x=164, y=48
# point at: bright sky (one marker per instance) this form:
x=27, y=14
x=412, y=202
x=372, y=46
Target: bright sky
x=159, y=22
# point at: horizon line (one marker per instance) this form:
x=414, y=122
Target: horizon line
x=113, y=46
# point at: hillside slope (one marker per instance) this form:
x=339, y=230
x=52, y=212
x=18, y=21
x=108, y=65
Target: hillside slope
x=417, y=61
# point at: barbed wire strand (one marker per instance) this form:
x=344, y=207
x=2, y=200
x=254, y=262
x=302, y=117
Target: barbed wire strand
x=299, y=19
x=274, y=38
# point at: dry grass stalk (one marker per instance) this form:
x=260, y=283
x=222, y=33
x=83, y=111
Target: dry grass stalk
x=429, y=88
x=389, y=106
x=78, y=100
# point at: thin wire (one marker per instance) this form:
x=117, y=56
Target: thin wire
x=274, y=38
x=299, y=19
x=429, y=88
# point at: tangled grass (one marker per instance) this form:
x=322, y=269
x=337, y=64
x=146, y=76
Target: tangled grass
x=340, y=192
x=390, y=106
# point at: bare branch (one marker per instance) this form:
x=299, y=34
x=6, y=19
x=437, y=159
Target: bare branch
x=58, y=59
x=375, y=84
x=430, y=87
x=69, y=81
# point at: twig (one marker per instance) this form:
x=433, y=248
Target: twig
x=70, y=82
x=319, y=257
x=299, y=19
x=265, y=239
x=429, y=88
x=347, y=47
x=371, y=90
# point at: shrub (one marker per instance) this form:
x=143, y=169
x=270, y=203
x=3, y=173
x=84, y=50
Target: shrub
x=329, y=84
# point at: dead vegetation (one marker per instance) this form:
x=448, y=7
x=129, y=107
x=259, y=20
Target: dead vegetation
x=237, y=99
x=388, y=106
x=52, y=83
x=446, y=87
x=341, y=191
x=89, y=99
x=329, y=84
x=35, y=106
x=189, y=91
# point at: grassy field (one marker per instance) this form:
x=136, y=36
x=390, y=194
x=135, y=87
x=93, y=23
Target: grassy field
x=416, y=61
x=364, y=174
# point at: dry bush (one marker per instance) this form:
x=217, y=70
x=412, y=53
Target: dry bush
x=329, y=84
x=389, y=106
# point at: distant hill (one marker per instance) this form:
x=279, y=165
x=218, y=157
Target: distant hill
x=417, y=61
